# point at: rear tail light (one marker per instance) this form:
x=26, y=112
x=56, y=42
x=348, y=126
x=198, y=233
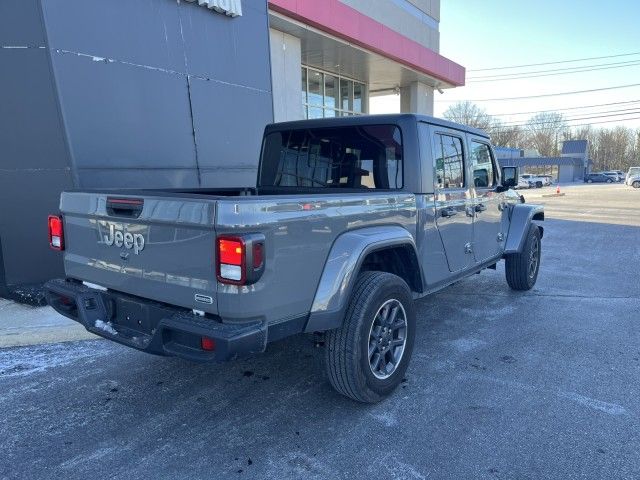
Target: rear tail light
x=240, y=259
x=207, y=344
x=56, y=233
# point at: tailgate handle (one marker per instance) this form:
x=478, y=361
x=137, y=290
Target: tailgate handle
x=125, y=207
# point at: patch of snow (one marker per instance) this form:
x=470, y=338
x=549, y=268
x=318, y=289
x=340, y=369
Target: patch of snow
x=24, y=361
x=105, y=327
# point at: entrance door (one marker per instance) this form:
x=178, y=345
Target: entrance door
x=454, y=202
x=487, y=204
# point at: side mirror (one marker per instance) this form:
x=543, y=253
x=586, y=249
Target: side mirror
x=509, y=177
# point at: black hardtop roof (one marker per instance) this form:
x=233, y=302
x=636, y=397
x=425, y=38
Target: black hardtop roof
x=361, y=120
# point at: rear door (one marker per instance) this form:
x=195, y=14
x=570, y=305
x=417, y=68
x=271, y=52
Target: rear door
x=454, y=202
x=157, y=247
x=487, y=204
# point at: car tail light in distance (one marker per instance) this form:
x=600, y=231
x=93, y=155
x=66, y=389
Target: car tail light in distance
x=240, y=258
x=56, y=232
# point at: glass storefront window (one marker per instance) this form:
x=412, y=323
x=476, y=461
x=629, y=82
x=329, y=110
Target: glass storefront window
x=346, y=94
x=330, y=91
x=358, y=93
x=316, y=87
x=328, y=95
x=315, y=112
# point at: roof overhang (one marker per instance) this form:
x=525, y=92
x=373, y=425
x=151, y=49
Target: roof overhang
x=540, y=161
x=338, y=38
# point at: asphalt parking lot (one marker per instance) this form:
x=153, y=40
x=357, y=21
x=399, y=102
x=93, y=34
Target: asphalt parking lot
x=504, y=385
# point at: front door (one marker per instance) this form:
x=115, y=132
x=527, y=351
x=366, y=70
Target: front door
x=454, y=202
x=487, y=205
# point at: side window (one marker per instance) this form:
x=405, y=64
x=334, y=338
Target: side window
x=449, y=158
x=483, y=171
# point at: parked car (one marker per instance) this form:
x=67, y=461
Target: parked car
x=523, y=183
x=534, y=180
x=633, y=181
x=547, y=180
x=633, y=171
x=597, y=178
x=614, y=175
x=350, y=220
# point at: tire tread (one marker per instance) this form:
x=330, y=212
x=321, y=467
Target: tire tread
x=341, y=344
x=517, y=264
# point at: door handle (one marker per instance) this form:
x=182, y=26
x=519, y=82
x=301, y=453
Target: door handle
x=480, y=207
x=448, y=212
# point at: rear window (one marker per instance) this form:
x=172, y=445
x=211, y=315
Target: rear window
x=366, y=157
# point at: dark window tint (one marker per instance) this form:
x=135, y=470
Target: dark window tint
x=449, y=161
x=483, y=174
x=346, y=157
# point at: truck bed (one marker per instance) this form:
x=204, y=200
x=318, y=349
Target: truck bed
x=179, y=228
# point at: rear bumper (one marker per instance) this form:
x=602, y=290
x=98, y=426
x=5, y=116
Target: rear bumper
x=151, y=326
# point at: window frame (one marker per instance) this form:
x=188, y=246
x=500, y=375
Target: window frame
x=338, y=111
x=293, y=188
x=496, y=178
x=441, y=133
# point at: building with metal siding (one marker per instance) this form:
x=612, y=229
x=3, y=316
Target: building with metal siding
x=571, y=166
x=170, y=93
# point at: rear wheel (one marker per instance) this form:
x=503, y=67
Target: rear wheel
x=367, y=357
x=609, y=181
x=589, y=181
x=521, y=269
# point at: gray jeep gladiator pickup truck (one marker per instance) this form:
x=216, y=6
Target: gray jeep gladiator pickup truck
x=351, y=219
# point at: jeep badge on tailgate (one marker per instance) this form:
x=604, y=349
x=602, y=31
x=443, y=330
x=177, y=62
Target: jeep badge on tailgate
x=120, y=238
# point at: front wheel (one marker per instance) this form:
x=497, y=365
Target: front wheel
x=367, y=357
x=589, y=181
x=609, y=181
x=635, y=184
x=521, y=269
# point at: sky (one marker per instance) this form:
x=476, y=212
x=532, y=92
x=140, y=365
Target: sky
x=482, y=34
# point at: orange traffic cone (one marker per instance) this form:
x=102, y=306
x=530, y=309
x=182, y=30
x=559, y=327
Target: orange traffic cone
x=558, y=190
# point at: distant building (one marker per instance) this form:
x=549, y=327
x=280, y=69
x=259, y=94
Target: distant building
x=571, y=165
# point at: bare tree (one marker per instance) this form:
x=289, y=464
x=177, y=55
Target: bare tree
x=613, y=148
x=544, y=131
x=468, y=113
x=506, y=135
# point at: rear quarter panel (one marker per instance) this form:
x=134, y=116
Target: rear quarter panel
x=299, y=234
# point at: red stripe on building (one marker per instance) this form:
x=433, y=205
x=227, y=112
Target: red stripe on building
x=346, y=23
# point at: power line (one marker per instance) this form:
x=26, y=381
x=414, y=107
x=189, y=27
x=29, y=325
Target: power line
x=568, y=72
x=567, y=121
x=553, y=63
x=552, y=70
x=633, y=111
x=564, y=109
x=604, y=121
x=559, y=94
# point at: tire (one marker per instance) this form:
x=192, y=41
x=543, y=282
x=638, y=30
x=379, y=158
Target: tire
x=520, y=270
x=635, y=184
x=538, y=184
x=589, y=181
x=609, y=181
x=347, y=359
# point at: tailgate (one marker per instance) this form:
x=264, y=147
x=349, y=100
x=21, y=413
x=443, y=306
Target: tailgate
x=156, y=247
